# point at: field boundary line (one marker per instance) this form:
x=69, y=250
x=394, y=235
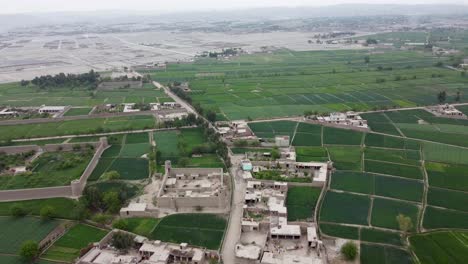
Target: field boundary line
x=396, y=163
x=374, y=196
x=425, y=192
x=393, y=124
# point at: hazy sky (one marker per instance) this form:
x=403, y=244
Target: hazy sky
x=21, y=6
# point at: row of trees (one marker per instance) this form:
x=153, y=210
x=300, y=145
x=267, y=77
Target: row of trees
x=442, y=96
x=90, y=79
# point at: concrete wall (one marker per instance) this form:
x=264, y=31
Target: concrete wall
x=73, y=190
x=68, y=146
x=10, y=150
x=81, y=117
x=36, y=193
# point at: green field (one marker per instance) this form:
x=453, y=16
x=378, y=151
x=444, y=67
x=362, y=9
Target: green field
x=301, y=202
x=442, y=218
x=76, y=127
x=448, y=199
x=204, y=230
x=386, y=168
x=334, y=230
x=372, y=254
x=287, y=83
x=408, y=157
x=64, y=208
x=275, y=128
x=308, y=135
x=379, y=236
x=444, y=153
x=306, y=154
x=78, y=111
x=68, y=247
x=335, y=136
x=14, y=231
x=345, y=208
x=50, y=169
x=346, y=158
x=10, y=259
x=440, y=247
x=125, y=157
x=141, y=226
x=384, y=213
x=450, y=176
x=368, y=183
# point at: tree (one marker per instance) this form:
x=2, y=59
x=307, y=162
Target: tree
x=367, y=59
x=349, y=251
x=404, y=223
x=211, y=116
x=112, y=201
x=442, y=96
x=122, y=241
x=458, y=96
x=110, y=175
x=29, y=250
x=17, y=210
x=275, y=154
x=120, y=224
x=47, y=212
x=93, y=197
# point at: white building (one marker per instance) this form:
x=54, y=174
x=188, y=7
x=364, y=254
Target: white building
x=51, y=109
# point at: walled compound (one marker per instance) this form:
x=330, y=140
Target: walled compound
x=267, y=236
x=146, y=251
x=76, y=187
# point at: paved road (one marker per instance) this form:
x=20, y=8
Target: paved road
x=233, y=231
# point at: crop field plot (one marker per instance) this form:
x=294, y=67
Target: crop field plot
x=274, y=128
x=379, y=122
x=76, y=127
x=308, y=135
x=334, y=230
x=445, y=153
x=353, y=181
x=49, y=169
x=204, y=230
x=130, y=168
x=64, y=207
x=371, y=254
x=368, y=183
x=126, y=157
x=442, y=218
x=142, y=226
x=420, y=124
x=301, y=202
x=398, y=188
x=384, y=212
x=463, y=109
x=448, y=176
x=166, y=143
x=287, y=83
x=383, y=141
x=78, y=111
x=67, y=248
x=14, y=231
x=306, y=154
x=408, y=157
x=136, y=138
x=379, y=236
x=335, y=136
x=440, y=247
x=346, y=158
x=449, y=199
x=406, y=171
x=345, y=208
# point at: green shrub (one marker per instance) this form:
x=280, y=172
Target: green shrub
x=349, y=251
